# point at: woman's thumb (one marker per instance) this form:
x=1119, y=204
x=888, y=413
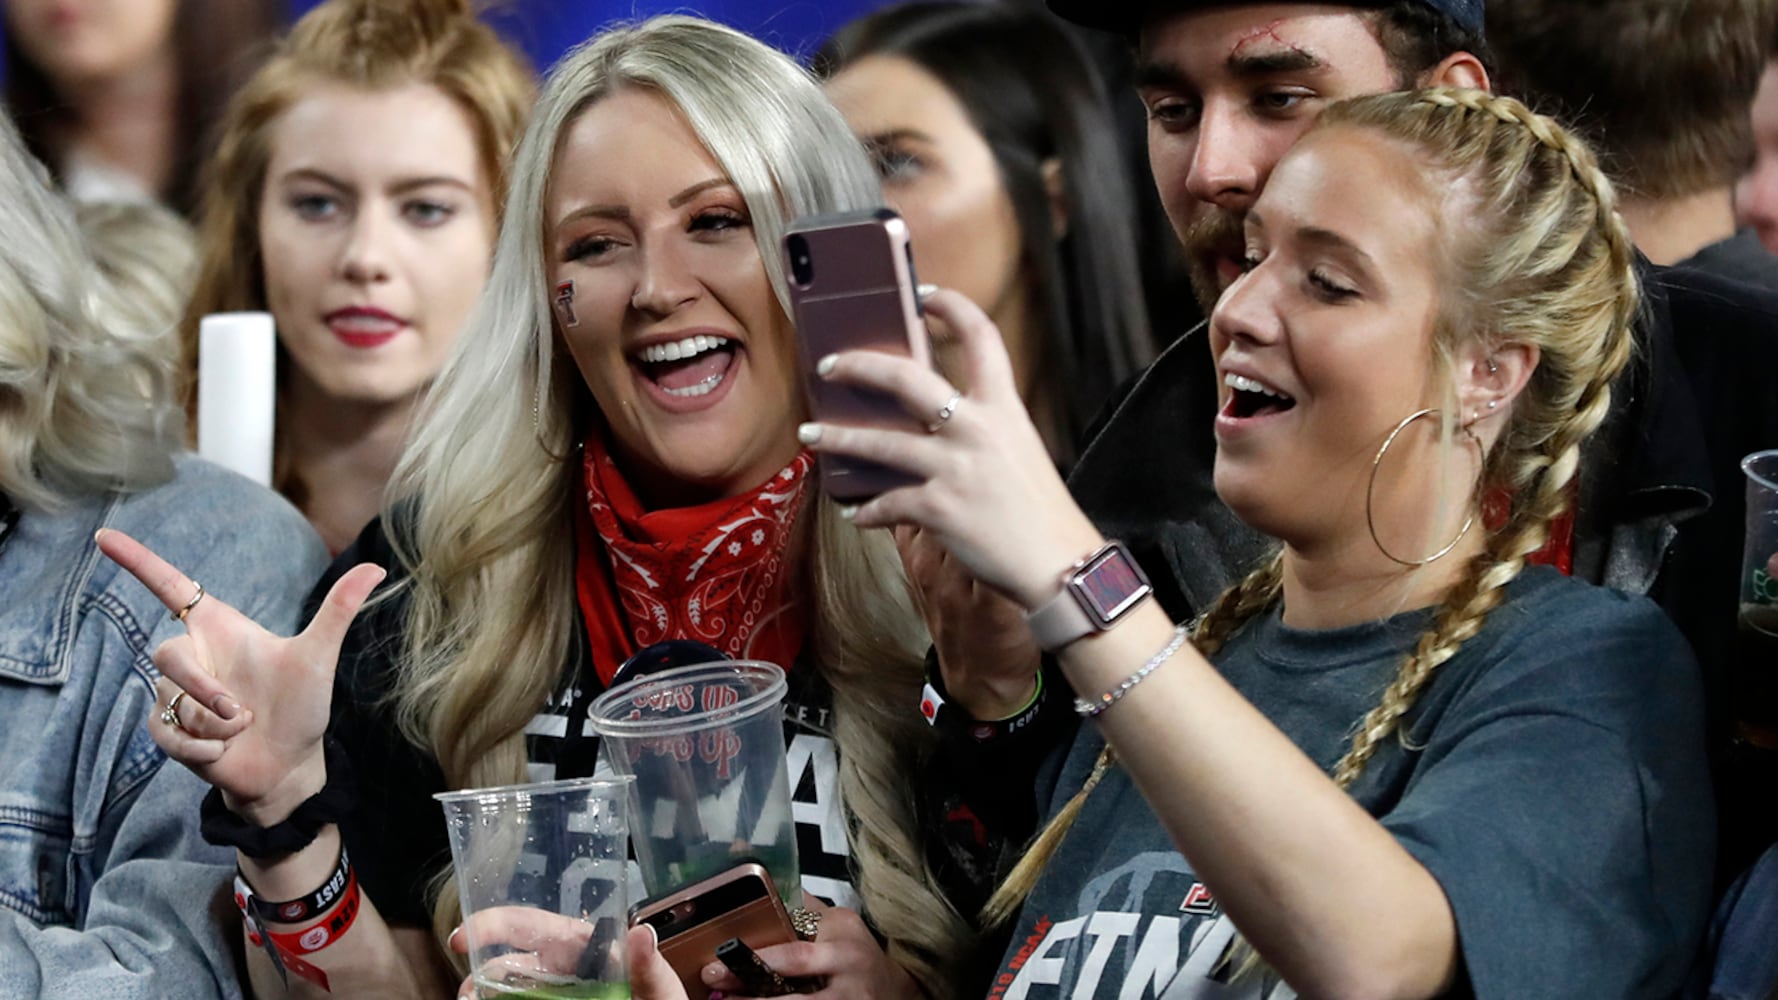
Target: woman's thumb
x=651, y=978
x=349, y=592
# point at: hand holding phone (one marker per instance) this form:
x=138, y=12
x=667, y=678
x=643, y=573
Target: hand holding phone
x=757, y=978
x=852, y=286
x=739, y=903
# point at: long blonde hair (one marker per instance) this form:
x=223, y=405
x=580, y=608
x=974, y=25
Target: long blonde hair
x=1538, y=256
x=86, y=371
x=482, y=499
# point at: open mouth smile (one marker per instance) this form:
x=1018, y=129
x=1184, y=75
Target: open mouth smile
x=1249, y=398
x=687, y=368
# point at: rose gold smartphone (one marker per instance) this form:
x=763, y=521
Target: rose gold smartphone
x=853, y=288
x=739, y=903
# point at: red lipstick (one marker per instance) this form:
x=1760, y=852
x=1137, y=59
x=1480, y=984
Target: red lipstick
x=364, y=327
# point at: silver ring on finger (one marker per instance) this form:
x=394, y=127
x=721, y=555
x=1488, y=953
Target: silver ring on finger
x=806, y=923
x=170, y=714
x=945, y=413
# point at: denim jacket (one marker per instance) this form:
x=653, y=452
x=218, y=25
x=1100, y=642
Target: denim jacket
x=106, y=889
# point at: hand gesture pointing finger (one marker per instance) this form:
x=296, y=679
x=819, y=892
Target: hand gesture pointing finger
x=255, y=705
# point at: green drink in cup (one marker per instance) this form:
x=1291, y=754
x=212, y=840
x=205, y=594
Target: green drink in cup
x=585, y=991
x=543, y=877
x=705, y=745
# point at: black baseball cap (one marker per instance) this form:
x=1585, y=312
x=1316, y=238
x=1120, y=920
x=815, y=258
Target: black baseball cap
x=1127, y=16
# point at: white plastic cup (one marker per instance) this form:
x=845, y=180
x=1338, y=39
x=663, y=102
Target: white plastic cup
x=237, y=392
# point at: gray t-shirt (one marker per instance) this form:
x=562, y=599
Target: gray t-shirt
x=1559, y=795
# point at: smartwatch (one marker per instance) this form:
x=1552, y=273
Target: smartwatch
x=1097, y=593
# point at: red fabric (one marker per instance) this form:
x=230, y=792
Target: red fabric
x=713, y=573
x=1558, y=550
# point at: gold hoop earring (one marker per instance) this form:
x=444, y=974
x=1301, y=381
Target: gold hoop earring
x=1370, y=491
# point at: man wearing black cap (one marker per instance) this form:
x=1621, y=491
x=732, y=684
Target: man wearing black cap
x=1230, y=87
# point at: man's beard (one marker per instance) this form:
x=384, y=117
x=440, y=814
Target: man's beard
x=1208, y=239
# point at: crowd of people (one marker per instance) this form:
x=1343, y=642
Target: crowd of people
x=1374, y=636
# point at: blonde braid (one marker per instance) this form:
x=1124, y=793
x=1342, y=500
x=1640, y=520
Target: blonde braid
x=1544, y=453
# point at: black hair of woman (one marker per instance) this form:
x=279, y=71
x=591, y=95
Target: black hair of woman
x=1036, y=98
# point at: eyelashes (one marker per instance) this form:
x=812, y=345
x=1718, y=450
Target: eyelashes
x=706, y=225
x=1321, y=282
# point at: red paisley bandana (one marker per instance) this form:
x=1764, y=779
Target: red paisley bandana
x=713, y=573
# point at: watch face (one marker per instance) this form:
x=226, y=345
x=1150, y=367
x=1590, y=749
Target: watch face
x=1110, y=585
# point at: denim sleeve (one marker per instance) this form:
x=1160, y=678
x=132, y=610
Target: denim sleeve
x=158, y=923
x=140, y=879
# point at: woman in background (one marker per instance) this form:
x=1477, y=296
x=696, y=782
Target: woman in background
x=988, y=128
x=355, y=195
x=121, y=98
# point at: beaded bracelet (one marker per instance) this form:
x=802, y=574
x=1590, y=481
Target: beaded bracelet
x=1091, y=709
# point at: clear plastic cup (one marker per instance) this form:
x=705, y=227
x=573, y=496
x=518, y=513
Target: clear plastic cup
x=1755, y=684
x=705, y=744
x=542, y=870
x=1759, y=582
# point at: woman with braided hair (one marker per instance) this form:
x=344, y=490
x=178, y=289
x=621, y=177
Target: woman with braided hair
x=1394, y=760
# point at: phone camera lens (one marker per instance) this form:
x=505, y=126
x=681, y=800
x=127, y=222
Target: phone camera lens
x=802, y=265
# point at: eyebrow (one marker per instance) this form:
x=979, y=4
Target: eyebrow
x=1326, y=238
x=697, y=189
x=1154, y=73
x=1283, y=60
x=401, y=186
x=621, y=213
x=1334, y=241
x=895, y=135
